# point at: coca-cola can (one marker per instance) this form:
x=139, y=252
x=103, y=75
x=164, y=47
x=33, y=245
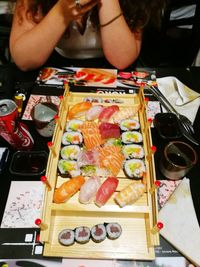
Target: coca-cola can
x=14, y=132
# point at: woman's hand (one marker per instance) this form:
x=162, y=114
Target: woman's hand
x=76, y=9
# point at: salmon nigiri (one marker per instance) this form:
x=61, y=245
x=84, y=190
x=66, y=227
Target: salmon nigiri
x=68, y=189
x=79, y=110
x=106, y=190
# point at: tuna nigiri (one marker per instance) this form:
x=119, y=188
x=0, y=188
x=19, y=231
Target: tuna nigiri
x=106, y=190
x=108, y=112
x=130, y=194
x=78, y=110
x=68, y=189
x=89, y=190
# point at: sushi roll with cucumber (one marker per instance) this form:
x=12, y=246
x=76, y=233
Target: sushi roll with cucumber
x=73, y=125
x=130, y=137
x=129, y=125
x=66, y=237
x=134, y=168
x=113, y=230
x=82, y=234
x=133, y=151
x=68, y=167
x=98, y=233
x=70, y=152
x=73, y=138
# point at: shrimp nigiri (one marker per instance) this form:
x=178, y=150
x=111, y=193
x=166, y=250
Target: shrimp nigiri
x=106, y=190
x=68, y=189
x=79, y=110
x=130, y=194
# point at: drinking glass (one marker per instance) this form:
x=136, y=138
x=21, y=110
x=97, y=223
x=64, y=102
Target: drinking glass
x=177, y=159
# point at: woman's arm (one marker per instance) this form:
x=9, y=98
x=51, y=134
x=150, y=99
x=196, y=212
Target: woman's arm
x=121, y=46
x=32, y=43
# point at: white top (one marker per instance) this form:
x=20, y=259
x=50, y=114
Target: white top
x=79, y=46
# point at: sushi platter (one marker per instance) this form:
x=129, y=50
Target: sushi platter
x=100, y=198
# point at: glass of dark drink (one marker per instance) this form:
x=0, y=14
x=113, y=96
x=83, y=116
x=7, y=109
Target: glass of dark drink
x=177, y=159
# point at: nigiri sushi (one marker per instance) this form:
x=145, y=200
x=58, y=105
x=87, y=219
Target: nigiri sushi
x=106, y=190
x=68, y=189
x=124, y=113
x=130, y=194
x=89, y=190
x=78, y=110
x=107, y=112
x=93, y=112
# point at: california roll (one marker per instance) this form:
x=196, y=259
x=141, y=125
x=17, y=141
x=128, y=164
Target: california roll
x=130, y=137
x=134, y=168
x=73, y=138
x=70, y=152
x=133, y=151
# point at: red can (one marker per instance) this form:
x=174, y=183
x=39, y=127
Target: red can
x=14, y=132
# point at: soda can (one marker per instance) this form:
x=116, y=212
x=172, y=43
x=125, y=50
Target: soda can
x=14, y=132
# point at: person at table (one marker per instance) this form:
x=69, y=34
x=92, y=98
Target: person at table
x=80, y=29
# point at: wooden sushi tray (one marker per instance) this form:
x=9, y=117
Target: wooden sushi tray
x=138, y=220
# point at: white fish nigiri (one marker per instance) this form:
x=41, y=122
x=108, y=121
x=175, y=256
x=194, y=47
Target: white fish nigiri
x=93, y=112
x=89, y=189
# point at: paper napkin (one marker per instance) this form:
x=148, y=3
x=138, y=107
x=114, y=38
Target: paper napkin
x=184, y=100
x=181, y=227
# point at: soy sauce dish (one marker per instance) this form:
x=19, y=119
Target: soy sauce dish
x=167, y=125
x=28, y=163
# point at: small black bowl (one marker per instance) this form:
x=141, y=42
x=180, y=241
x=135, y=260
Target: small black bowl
x=29, y=163
x=167, y=125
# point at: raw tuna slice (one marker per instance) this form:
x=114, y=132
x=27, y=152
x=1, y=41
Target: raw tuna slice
x=109, y=130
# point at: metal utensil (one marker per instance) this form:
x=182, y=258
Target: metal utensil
x=184, y=121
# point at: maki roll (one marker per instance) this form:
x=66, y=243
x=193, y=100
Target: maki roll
x=129, y=125
x=133, y=151
x=82, y=234
x=130, y=137
x=73, y=138
x=134, y=168
x=66, y=237
x=68, y=167
x=98, y=233
x=113, y=230
x=70, y=152
x=73, y=125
